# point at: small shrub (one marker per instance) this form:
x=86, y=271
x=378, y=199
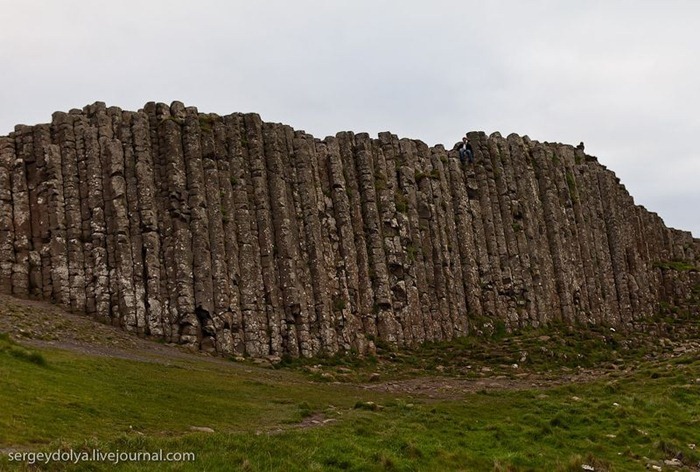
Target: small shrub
x=339, y=303
x=412, y=252
x=499, y=329
x=401, y=203
x=677, y=265
x=571, y=183
x=206, y=122
x=379, y=183
x=612, y=387
x=305, y=410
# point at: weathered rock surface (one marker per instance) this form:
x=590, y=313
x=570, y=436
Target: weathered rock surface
x=237, y=236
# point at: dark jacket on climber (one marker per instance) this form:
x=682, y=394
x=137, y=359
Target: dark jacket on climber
x=466, y=151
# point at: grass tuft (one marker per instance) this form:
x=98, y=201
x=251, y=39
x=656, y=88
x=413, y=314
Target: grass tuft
x=10, y=348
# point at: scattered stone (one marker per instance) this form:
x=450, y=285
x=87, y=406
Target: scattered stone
x=201, y=429
x=673, y=462
x=371, y=406
x=274, y=360
x=374, y=377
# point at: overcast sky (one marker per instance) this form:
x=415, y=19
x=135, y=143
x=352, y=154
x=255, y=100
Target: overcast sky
x=622, y=76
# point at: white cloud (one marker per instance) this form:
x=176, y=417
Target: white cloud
x=620, y=75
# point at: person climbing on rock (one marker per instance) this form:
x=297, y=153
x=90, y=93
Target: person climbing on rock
x=466, y=151
x=580, y=146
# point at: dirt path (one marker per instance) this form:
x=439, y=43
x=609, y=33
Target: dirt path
x=447, y=387
x=40, y=324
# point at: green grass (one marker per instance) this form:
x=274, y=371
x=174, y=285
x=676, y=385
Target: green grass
x=11, y=348
x=74, y=397
x=553, y=350
x=680, y=266
x=85, y=402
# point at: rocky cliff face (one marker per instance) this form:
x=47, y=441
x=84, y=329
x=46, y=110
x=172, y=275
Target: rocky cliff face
x=238, y=236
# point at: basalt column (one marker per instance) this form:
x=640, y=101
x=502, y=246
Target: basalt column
x=240, y=237
x=7, y=225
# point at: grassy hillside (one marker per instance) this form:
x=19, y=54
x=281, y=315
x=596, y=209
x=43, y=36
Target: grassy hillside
x=323, y=416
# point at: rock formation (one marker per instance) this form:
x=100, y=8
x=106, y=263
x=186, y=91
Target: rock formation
x=238, y=236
